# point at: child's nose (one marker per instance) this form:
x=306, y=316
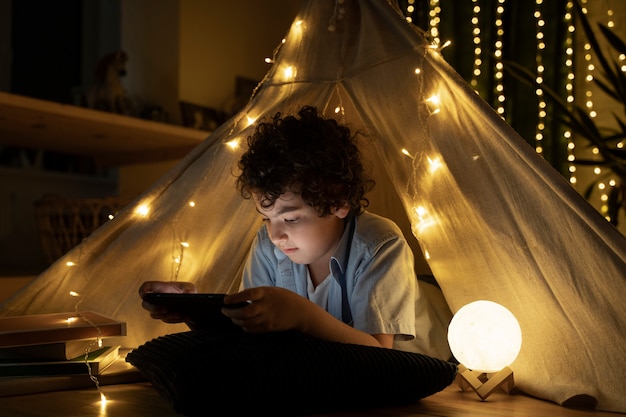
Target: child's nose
x=276, y=233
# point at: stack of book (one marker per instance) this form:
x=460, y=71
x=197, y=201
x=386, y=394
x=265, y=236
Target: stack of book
x=68, y=348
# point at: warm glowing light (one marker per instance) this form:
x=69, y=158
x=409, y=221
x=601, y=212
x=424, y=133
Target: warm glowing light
x=435, y=101
x=423, y=221
x=142, y=210
x=192, y=204
x=289, y=72
x=233, y=144
x=250, y=120
x=70, y=263
x=407, y=153
x=184, y=244
x=435, y=164
x=485, y=336
x=74, y=294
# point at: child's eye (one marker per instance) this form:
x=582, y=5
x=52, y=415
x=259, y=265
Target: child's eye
x=290, y=221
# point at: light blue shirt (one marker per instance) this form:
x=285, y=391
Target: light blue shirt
x=379, y=269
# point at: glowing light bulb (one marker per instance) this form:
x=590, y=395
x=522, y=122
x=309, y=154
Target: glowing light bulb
x=445, y=44
x=289, y=72
x=434, y=101
x=233, y=144
x=485, y=336
x=435, y=164
x=142, y=210
x=420, y=211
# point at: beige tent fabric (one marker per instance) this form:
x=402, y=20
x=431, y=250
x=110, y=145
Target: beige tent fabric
x=493, y=220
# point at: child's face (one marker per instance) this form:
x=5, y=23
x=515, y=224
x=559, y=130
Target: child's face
x=296, y=229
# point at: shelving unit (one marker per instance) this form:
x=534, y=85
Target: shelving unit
x=111, y=139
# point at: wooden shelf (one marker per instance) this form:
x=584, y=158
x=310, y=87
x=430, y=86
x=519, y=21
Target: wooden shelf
x=112, y=139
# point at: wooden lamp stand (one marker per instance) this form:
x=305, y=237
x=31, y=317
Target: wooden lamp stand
x=484, y=384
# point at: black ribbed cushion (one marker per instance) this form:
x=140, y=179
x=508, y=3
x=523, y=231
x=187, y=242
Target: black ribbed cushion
x=283, y=373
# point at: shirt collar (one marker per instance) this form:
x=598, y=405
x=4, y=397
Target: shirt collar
x=339, y=259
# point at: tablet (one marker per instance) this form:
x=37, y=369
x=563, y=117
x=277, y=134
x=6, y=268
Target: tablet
x=198, y=308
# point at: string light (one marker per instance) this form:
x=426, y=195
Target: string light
x=592, y=113
x=410, y=8
x=142, y=210
x=289, y=73
x=433, y=103
x=434, y=163
x=569, y=87
x=233, y=144
x=433, y=21
x=477, y=44
x=250, y=120
x=606, y=190
x=499, y=66
x=541, y=110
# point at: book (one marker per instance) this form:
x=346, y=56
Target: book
x=119, y=372
x=97, y=360
x=57, y=327
x=57, y=351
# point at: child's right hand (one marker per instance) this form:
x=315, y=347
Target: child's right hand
x=161, y=312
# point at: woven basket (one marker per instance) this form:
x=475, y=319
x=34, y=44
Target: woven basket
x=63, y=222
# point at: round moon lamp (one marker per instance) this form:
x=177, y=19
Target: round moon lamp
x=485, y=337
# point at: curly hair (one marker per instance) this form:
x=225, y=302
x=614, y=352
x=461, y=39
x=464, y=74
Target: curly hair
x=306, y=154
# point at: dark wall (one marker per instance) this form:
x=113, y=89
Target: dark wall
x=47, y=48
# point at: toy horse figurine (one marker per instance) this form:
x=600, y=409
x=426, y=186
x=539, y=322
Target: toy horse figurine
x=107, y=92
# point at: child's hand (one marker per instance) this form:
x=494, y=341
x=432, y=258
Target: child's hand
x=271, y=309
x=161, y=312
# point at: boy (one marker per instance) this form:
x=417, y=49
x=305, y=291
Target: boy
x=321, y=264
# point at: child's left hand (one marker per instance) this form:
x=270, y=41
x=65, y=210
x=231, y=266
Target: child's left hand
x=271, y=309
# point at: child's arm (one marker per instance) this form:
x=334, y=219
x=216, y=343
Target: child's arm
x=278, y=309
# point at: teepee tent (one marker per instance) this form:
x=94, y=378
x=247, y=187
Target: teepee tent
x=490, y=218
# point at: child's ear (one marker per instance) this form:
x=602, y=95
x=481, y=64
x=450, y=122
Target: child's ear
x=342, y=211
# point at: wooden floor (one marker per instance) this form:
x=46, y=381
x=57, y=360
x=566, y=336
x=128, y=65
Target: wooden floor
x=141, y=400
